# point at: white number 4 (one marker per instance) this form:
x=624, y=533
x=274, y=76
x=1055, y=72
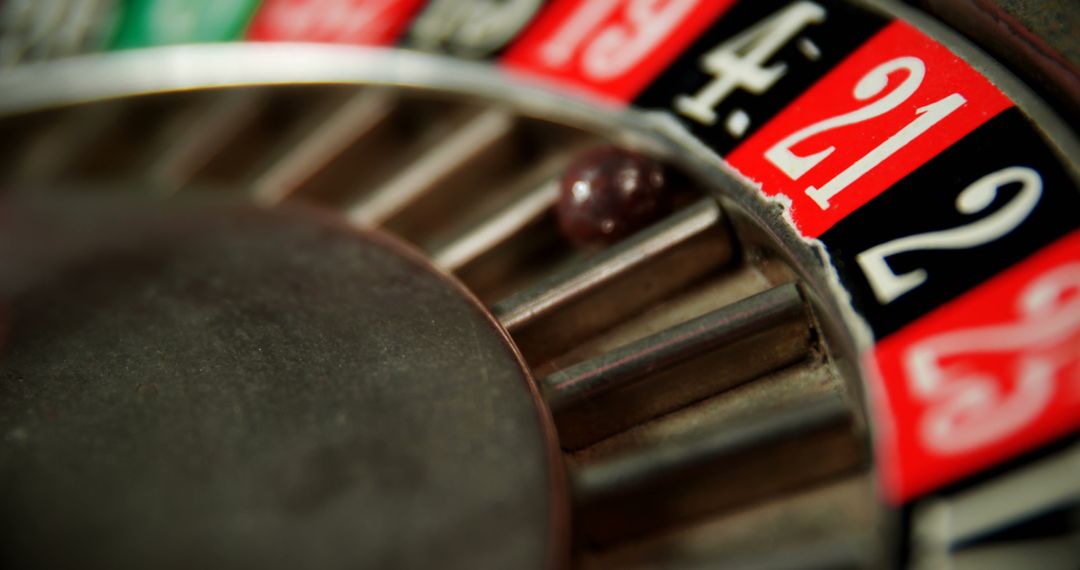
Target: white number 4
x=740, y=63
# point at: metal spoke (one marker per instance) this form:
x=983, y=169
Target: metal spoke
x=497, y=229
x=834, y=520
x=625, y=495
x=426, y=171
x=587, y=298
x=675, y=367
x=535, y=194
x=315, y=146
x=202, y=136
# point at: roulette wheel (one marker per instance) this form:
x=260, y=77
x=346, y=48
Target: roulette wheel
x=568, y=284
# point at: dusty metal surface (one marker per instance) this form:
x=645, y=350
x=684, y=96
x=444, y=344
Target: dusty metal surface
x=226, y=387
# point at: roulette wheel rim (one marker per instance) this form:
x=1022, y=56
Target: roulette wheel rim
x=174, y=69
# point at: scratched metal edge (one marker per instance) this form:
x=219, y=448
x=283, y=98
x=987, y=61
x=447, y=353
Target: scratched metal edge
x=87, y=78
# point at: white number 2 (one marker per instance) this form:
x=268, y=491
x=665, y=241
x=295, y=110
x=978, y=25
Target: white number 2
x=888, y=286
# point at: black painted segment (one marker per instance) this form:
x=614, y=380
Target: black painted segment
x=844, y=29
x=925, y=201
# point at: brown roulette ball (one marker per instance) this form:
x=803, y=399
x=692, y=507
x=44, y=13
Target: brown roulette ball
x=608, y=193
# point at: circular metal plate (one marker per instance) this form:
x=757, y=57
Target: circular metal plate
x=225, y=387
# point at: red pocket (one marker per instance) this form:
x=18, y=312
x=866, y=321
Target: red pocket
x=887, y=109
x=364, y=22
x=610, y=48
x=988, y=376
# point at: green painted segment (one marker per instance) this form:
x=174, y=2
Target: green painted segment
x=146, y=23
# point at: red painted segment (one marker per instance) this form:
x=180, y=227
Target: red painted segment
x=362, y=22
x=900, y=85
x=611, y=49
x=989, y=376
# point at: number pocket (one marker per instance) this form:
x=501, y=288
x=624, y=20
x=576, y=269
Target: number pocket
x=970, y=407
x=888, y=286
x=871, y=85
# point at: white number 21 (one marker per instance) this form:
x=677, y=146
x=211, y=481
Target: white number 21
x=871, y=85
